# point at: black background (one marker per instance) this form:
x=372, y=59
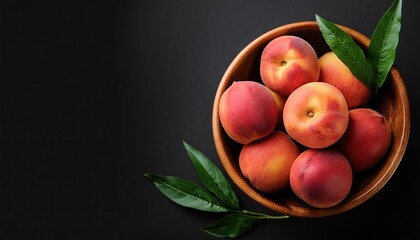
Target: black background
x=93, y=94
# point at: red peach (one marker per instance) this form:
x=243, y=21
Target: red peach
x=366, y=140
x=288, y=62
x=247, y=111
x=335, y=72
x=321, y=177
x=316, y=115
x=266, y=162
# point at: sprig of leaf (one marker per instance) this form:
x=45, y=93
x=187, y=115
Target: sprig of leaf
x=373, y=68
x=212, y=177
x=231, y=225
x=347, y=51
x=384, y=41
x=186, y=193
x=218, y=196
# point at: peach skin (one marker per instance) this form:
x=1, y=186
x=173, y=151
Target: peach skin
x=266, y=162
x=366, y=140
x=316, y=115
x=321, y=177
x=248, y=111
x=335, y=72
x=288, y=62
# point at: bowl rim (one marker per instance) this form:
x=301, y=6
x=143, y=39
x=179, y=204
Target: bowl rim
x=224, y=153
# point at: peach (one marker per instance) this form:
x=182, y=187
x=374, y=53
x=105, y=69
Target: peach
x=321, y=177
x=316, y=115
x=247, y=111
x=280, y=101
x=335, y=72
x=266, y=162
x=288, y=62
x=366, y=140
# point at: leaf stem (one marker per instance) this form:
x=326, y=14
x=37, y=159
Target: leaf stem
x=261, y=215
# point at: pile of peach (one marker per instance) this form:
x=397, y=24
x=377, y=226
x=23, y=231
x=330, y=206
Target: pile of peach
x=305, y=125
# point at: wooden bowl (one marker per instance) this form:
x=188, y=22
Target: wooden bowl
x=392, y=102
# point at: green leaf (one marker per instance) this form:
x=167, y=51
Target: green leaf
x=231, y=225
x=186, y=193
x=347, y=50
x=384, y=41
x=212, y=177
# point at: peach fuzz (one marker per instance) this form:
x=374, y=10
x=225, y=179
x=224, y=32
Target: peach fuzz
x=321, y=177
x=288, y=62
x=266, y=162
x=247, y=111
x=316, y=115
x=335, y=72
x=366, y=140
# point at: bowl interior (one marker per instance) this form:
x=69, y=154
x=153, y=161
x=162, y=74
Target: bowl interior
x=391, y=101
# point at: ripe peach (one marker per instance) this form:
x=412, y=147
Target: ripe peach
x=366, y=139
x=335, y=72
x=247, y=111
x=288, y=62
x=266, y=162
x=321, y=177
x=316, y=115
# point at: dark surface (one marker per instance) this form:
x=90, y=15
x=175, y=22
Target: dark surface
x=95, y=94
